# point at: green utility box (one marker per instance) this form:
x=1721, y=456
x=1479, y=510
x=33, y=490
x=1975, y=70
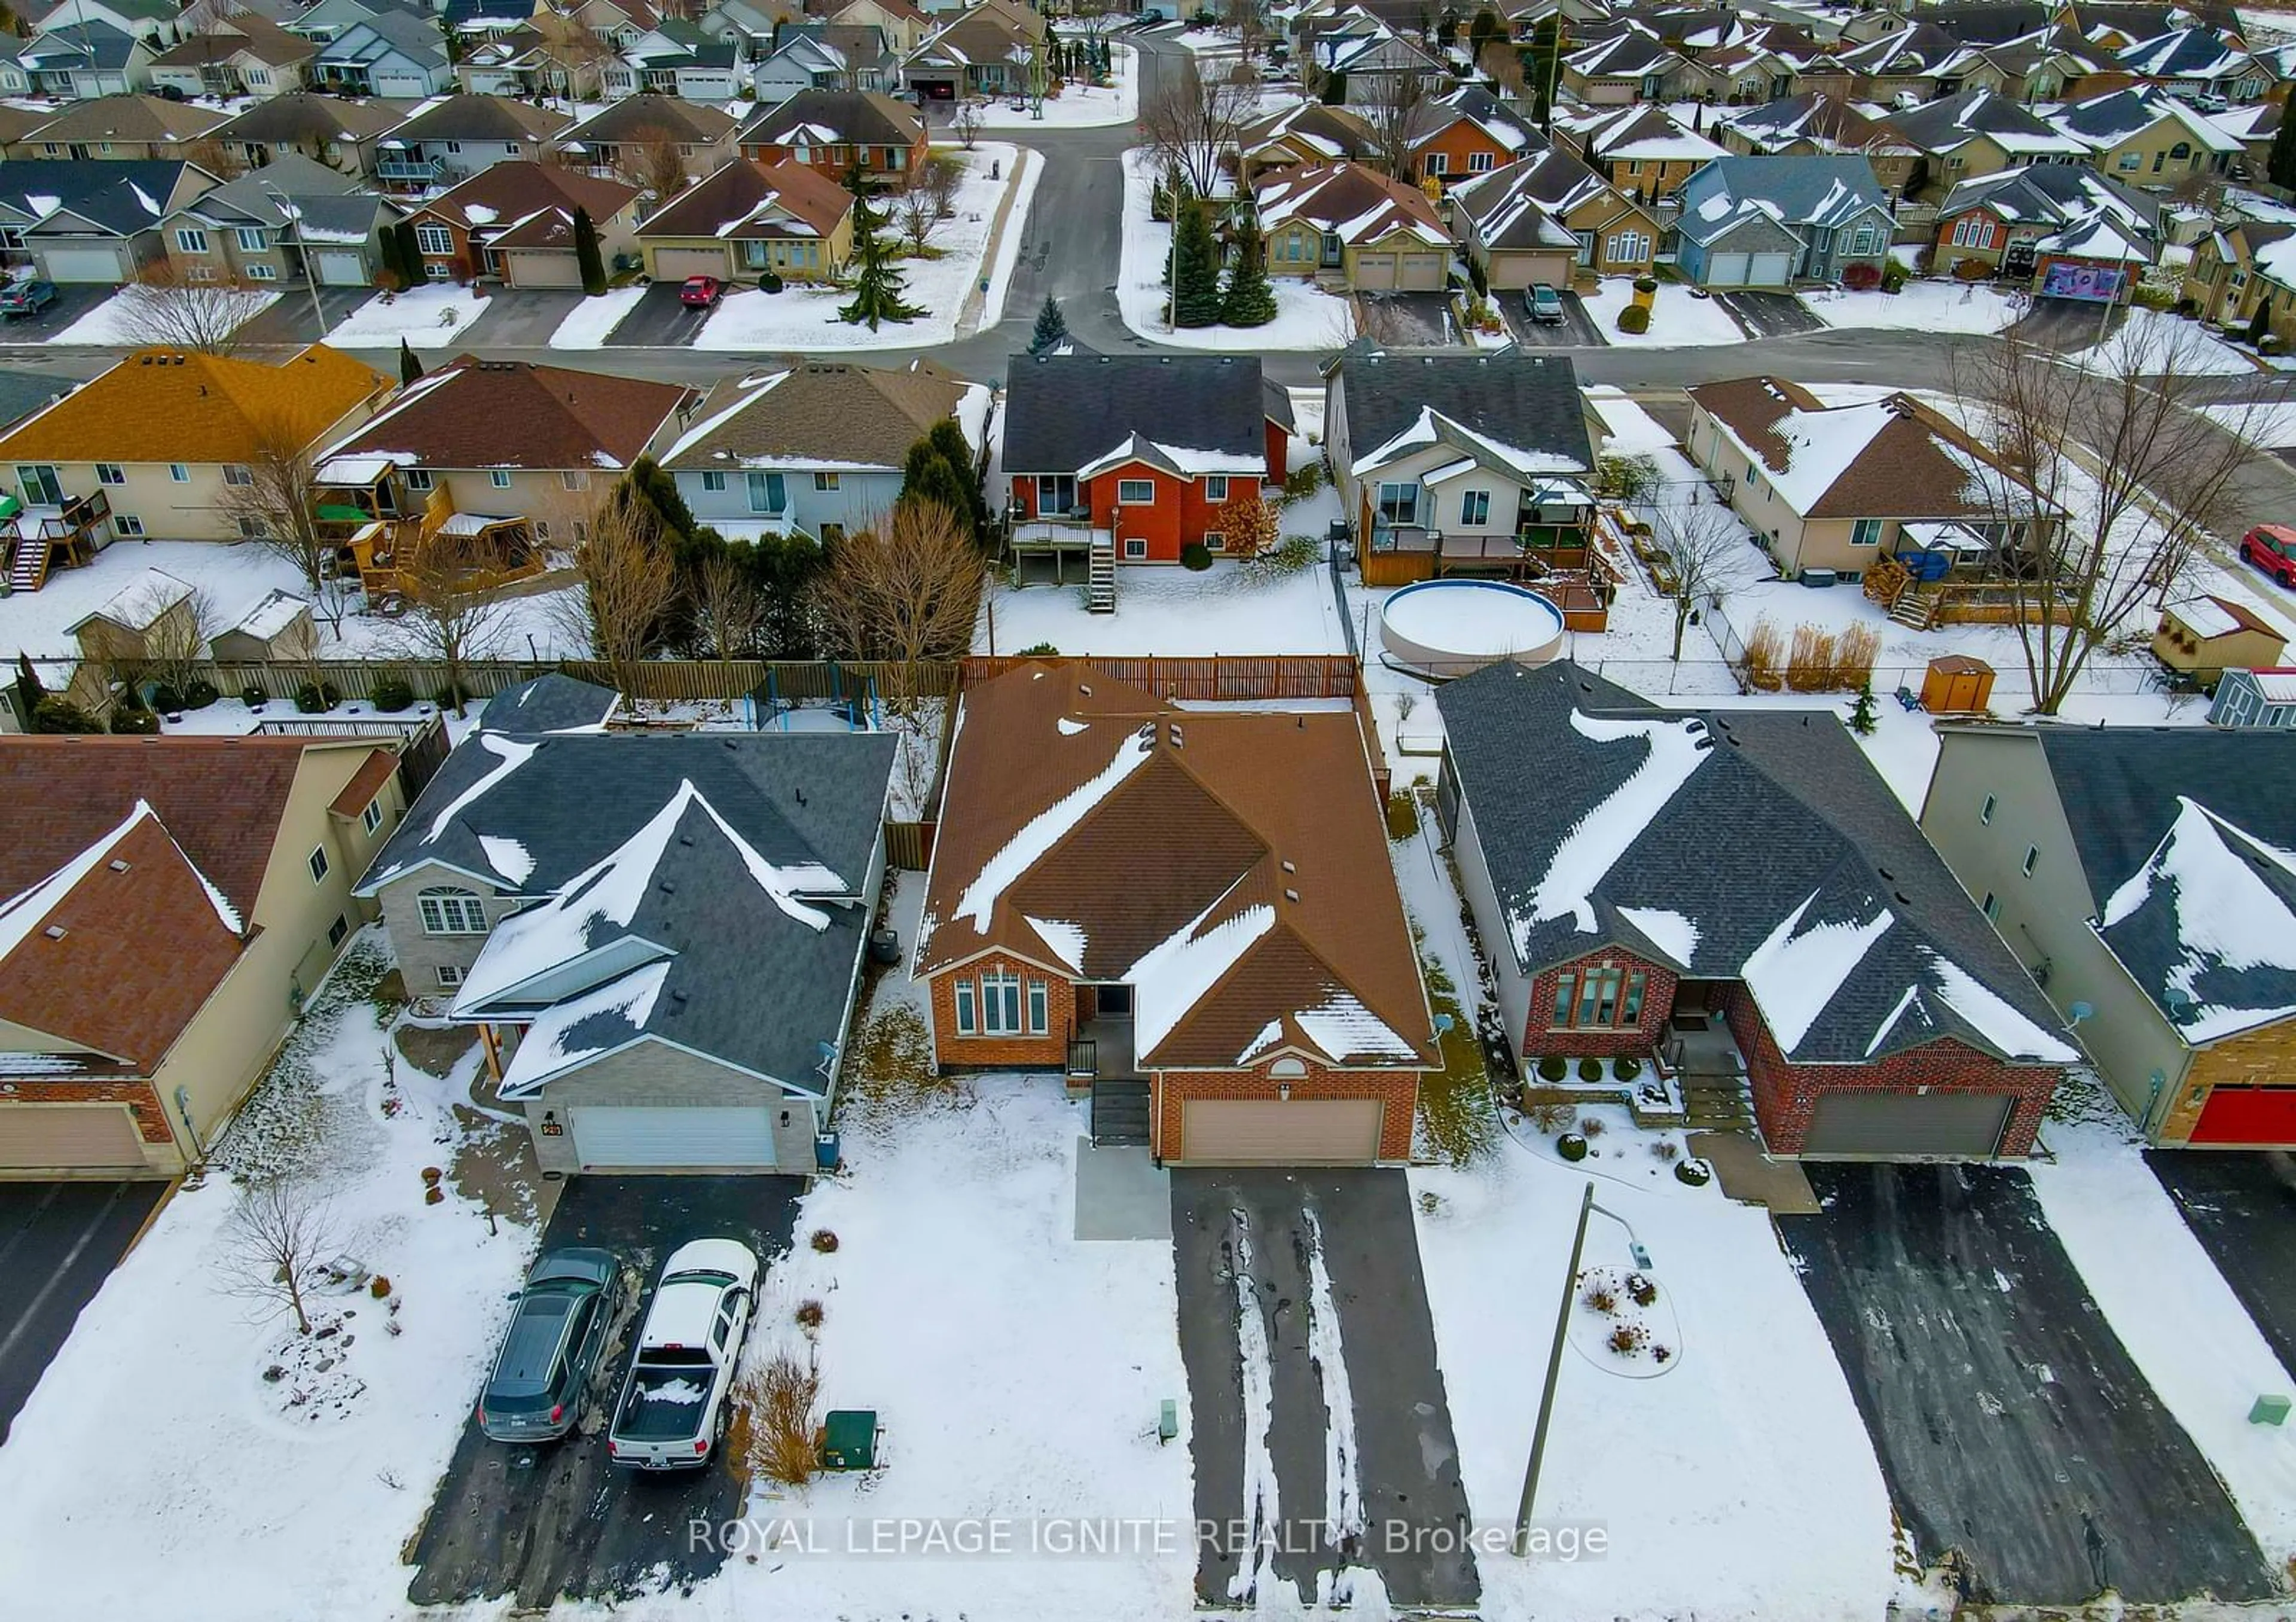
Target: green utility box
x=2269, y=1410
x=849, y=1439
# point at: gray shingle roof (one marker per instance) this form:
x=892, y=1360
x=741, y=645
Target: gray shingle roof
x=110, y=193
x=1827, y=192
x=1064, y=411
x=550, y=702
x=1768, y=834
x=1530, y=402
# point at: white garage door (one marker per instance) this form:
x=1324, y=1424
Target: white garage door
x=543, y=270
x=80, y=1135
x=1726, y=270
x=1423, y=272
x=340, y=268
x=676, y=264
x=83, y=265
x=1324, y=1132
x=1770, y=270
x=620, y=1137
x=1375, y=271
x=1908, y=1124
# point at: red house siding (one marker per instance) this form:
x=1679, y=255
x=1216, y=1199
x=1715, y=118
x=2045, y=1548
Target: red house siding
x=1541, y=1038
x=1179, y=513
x=1398, y=1092
x=1786, y=1095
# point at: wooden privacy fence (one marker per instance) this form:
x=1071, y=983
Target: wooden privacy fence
x=655, y=681
x=1216, y=676
x=908, y=845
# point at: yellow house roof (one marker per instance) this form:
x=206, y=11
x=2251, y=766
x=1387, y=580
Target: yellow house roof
x=164, y=405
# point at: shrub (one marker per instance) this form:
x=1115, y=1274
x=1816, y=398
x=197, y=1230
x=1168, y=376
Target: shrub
x=2152, y=298
x=54, y=715
x=771, y=281
x=164, y=699
x=1601, y=1296
x=824, y=1241
x=2187, y=307
x=1970, y=270
x=392, y=693
x=1289, y=557
x=1625, y=1069
x=1893, y=278
x=1551, y=1117
x=1862, y=278
x=142, y=722
x=1645, y=284
x=1572, y=1146
x=199, y=694
x=1402, y=815
x=379, y=1286
x=1196, y=555
x=1765, y=657
x=1553, y=1067
x=1303, y=482
x=776, y=1415
x=1634, y=478
x=1591, y=1126
x=1634, y=319
x=1666, y=1151
x=1040, y=650
x=1640, y=1290
x=314, y=696
x=1697, y=1174
x=447, y=698
x=1590, y=1070
x=1626, y=1340
x=254, y=697
x=808, y=1314
x=1660, y=1353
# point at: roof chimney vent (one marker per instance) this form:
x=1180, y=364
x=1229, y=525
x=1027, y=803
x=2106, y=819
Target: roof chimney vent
x=119, y=866
x=56, y=932
x=1290, y=895
x=1172, y=732
x=1287, y=866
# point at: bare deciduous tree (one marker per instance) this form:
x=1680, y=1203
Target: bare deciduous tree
x=171, y=310
x=276, y=1238
x=966, y=122
x=941, y=179
x=1398, y=119
x=726, y=607
x=280, y=501
x=651, y=160
x=1249, y=523
x=906, y=590
x=1502, y=63
x=2114, y=483
x=1192, y=123
x=916, y=210
x=628, y=583
x=1708, y=556
x=444, y=617
x=150, y=634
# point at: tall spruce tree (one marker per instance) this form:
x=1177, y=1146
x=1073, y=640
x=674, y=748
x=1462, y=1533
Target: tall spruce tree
x=410, y=253
x=950, y=441
x=394, y=268
x=877, y=285
x=1249, y=301
x=410, y=363
x=1195, y=267
x=588, y=254
x=2280, y=166
x=1052, y=328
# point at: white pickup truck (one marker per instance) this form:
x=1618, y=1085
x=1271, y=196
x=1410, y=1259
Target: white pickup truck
x=673, y=1405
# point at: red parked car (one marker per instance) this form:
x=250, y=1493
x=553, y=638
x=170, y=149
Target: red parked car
x=2271, y=547
x=700, y=292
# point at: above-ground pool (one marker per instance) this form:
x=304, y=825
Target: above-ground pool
x=1454, y=628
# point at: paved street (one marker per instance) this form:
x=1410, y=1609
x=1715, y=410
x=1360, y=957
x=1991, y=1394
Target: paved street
x=59, y=1241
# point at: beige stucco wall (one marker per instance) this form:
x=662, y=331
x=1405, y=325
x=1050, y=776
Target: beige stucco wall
x=1754, y=499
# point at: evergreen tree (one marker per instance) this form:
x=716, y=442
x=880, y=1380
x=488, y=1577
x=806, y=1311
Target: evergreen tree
x=587, y=252
x=394, y=268
x=1052, y=328
x=949, y=439
x=29, y=691
x=1336, y=89
x=1250, y=301
x=2280, y=167
x=1196, y=269
x=1861, y=715
x=410, y=365
x=2260, y=324
x=410, y=253
x=877, y=285
x=646, y=485
x=929, y=477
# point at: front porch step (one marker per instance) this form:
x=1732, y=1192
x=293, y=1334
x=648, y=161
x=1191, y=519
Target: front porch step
x=1100, y=578
x=1119, y=1112
x=28, y=569
x=1717, y=1102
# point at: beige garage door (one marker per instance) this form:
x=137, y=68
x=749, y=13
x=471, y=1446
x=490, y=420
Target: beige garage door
x=1231, y=1132
x=1375, y=272
x=676, y=264
x=545, y=270
x=1906, y=1123
x=91, y=1135
x=1423, y=272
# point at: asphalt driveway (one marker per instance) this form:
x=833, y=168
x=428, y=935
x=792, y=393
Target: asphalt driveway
x=1576, y=330
x=2242, y=1206
x=546, y=1522
x=73, y=299
x=658, y=320
x=1412, y=318
x=1266, y=1231
x=2067, y=326
x=2010, y=1423
x=288, y=320
x=1770, y=315
x=59, y=1241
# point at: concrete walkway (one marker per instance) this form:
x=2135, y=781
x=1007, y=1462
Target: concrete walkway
x=1751, y=1177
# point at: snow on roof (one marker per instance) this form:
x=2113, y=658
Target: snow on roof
x=1591, y=849
x=2205, y=616
x=1344, y=1029
x=1792, y=977
x=141, y=601
x=1185, y=460
x=1175, y=974
x=566, y=1032
x=1671, y=932
x=1432, y=427
x=1048, y=828
x=1990, y=1016
x=511, y=754
x=1270, y=1033
x=275, y=613
x=507, y=857
x=2274, y=686
x=2229, y=915
x=22, y=914
x=355, y=470
x=1066, y=940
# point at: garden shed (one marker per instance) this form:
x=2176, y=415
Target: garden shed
x=1957, y=685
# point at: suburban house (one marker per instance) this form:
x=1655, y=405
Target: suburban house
x=1831, y=966
x=527, y=61
x=78, y=61
x=1640, y=150
x=120, y=126
x=1773, y=222
x=817, y=448
x=1843, y=487
x=1544, y=220
x=238, y=853
x=825, y=57
x=1465, y=132
x=1817, y=124
x=2255, y=698
x=2143, y=874
x=1449, y=463
x=2194, y=64
x=241, y=54
x=2202, y=637
x=1305, y=133
x=1348, y=221
x=273, y=223
x=1916, y=64
x=504, y=440
x=619, y=138
x=2065, y=230
x=1186, y=910
x=1631, y=65
x=390, y=54
x=675, y=58
x=902, y=23
x=1128, y=459
x=1367, y=61
x=986, y=51
x=2224, y=280
x=457, y=136
x=660, y=938
x=342, y=133
x=514, y=223
x=1978, y=133
x=2147, y=137
x=160, y=441
x=748, y=219
x=94, y=221
x=836, y=132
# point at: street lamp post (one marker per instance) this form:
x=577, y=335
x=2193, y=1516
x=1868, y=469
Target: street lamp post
x=310, y=274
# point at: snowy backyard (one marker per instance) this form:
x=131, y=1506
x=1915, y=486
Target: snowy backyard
x=1307, y=317
x=1078, y=106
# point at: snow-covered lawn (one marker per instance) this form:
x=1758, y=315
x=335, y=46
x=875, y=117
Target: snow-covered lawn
x=2150, y=341
x=592, y=321
x=2271, y=424
x=126, y=317
x=1734, y=1481
x=2186, y=1331
x=1078, y=106
x=234, y=579
x=1926, y=307
x=1307, y=317
x=428, y=317
x=1174, y=610
x=1678, y=318
x=156, y=1471
x=803, y=317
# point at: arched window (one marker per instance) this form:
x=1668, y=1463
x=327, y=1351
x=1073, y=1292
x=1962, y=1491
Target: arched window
x=1290, y=1069
x=450, y=911
x=2181, y=151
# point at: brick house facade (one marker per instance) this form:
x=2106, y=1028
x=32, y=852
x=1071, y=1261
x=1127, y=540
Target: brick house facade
x=978, y=1048
x=1636, y=1038
x=1398, y=1092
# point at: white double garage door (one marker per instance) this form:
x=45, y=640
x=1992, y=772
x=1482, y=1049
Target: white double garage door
x=1749, y=270
x=1394, y=271
x=624, y=1138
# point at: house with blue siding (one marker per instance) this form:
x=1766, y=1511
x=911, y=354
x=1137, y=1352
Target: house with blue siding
x=1776, y=222
x=814, y=448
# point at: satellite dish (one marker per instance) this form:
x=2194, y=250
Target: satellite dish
x=2080, y=1011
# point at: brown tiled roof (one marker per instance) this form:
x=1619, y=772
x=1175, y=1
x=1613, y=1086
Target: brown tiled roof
x=527, y=204
x=1225, y=815
x=728, y=202
x=479, y=413
x=832, y=409
x=864, y=117
x=179, y=405
x=129, y=118
x=365, y=783
x=258, y=35
x=636, y=117
x=91, y=968
x=483, y=118
x=301, y=115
